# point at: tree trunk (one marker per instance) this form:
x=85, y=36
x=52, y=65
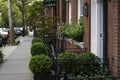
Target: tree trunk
x=12, y=36
x=24, y=18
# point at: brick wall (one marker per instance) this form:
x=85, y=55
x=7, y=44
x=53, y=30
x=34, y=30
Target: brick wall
x=113, y=36
x=67, y=11
x=110, y=32
x=70, y=46
x=86, y=26
x=74, y=11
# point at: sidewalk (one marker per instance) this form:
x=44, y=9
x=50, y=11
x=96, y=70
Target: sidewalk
x=7, y=51
x=16, y=65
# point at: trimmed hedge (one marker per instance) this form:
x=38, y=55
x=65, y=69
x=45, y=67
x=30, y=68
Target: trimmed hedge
x=38, y=48
x=40, y=64
x=36, y=40
x=65, y=61
x=85, y=64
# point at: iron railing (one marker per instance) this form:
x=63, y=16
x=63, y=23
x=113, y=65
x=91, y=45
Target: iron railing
x=77, y=70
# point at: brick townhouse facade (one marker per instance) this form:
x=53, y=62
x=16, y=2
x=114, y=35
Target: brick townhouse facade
x=111, y=31
x=101, y=27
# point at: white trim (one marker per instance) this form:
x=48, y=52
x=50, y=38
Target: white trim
x=97, y=27
x=79, y=8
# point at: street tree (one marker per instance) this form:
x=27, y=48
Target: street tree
x=12, y=38
x=21, y=4
x=41, y=23
x=16, y=14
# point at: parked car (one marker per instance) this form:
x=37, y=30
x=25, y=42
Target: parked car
x=4, y=35
x=18, y=32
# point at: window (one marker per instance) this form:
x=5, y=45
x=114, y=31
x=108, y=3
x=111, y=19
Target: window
x=80, y=9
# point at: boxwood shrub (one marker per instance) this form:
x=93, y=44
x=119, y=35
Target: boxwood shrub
x=38, y=48
x=66, y=60
x=88, y=64
x=40, y=64
x=36, y=39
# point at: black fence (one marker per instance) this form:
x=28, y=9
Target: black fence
x=75, y=69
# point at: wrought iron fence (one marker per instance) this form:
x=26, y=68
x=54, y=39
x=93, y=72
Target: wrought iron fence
x=75, y=69
x=80, y=70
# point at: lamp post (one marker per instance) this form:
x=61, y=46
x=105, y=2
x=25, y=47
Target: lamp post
x=12, y=38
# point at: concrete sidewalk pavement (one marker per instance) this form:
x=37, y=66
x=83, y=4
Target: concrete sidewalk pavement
x=7, y=51
x=16, y=65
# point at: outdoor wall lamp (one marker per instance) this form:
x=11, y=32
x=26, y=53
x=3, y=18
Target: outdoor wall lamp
x=49, y=3
x=85, y=9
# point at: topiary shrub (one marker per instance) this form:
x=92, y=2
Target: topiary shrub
x=88, y=64
x=36, y=40
x=1, y=56
x=66, y=61
x=40, y=64
x=38, y=48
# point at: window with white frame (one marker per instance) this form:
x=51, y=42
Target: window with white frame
x=80, y=9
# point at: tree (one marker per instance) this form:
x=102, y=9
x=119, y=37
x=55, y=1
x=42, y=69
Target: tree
x=17, y=19
x=21, y=4
x=12, y=38
x=41, y=23
x=4, y=13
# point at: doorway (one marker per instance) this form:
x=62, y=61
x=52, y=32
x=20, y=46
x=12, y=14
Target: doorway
x=97, y=27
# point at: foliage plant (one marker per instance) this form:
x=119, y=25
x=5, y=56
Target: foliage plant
x=74, y=31
x=41, y=23
x=89, y=64
x=65, y=61
x=36, y=39
x=1, y=56
x=40, y=64
x=38, y=48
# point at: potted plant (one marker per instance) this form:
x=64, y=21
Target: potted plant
x=41, y=65
x=36, y=39
x=38, y=48
x=74, y=31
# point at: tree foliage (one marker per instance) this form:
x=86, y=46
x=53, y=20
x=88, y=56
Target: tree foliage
x=37, y=18
x=16, y=15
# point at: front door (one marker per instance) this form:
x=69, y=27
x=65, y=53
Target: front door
x=97, y=27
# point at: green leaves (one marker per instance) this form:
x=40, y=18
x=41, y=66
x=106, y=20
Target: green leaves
x=36, y=39
x=73, y=31
x=65, y=61
x=38, y=48
x=42, y=23
x=40, y=64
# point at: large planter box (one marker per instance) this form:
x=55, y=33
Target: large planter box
x=71, y=45
x=49, y=76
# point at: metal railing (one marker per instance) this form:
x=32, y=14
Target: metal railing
x=77, y=70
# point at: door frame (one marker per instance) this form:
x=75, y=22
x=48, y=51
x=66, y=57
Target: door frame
x=97, y=27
